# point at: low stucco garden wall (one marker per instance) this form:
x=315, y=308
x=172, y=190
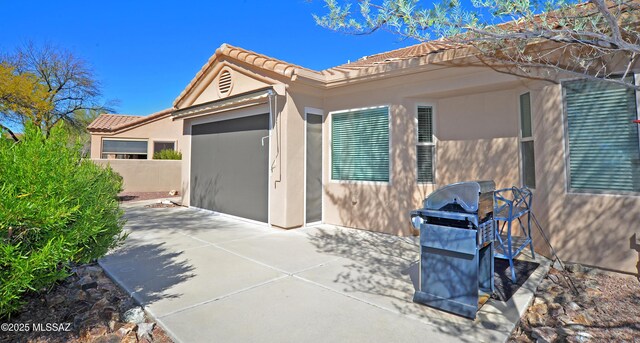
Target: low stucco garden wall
x=147, y=175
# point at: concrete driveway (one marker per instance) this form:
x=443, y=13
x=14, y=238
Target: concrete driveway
x=209, y=278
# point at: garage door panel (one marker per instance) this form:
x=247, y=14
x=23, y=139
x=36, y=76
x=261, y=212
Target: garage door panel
x=229, y=167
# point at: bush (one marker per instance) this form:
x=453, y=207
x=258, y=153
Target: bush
x=167, y=154
x=55, y=209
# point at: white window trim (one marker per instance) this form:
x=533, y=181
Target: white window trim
x=330, y=116
x=434, y=141
x=522, y=139
x=318, y=112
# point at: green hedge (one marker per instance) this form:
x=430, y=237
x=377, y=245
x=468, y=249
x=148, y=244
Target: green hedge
x=167, y=154
x=55, y=209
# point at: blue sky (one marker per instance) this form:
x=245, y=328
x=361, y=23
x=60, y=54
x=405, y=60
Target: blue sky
x=146, y=52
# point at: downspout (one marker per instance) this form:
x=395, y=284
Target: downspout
x=273, y=102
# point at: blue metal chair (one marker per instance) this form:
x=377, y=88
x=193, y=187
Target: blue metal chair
x=512, y=204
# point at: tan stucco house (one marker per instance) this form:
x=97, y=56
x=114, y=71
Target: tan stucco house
x=127, y=143
x=118, y=136
x=360, y=145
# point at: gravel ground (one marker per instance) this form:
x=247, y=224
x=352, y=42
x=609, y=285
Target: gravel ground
x=85, y=307
x=137, y=196
x=604, y=308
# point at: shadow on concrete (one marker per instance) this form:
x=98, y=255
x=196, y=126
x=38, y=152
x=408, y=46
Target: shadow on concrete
x=387, y=267
x=147, y=269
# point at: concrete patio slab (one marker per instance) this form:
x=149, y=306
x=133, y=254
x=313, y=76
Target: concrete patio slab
x=295, y=311
x=284, y=250
x=207, y=277
x=218, y=274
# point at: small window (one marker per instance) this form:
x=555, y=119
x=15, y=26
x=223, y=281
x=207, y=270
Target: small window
x=159, y=146
x=360, y=145
x=425, y=147
x=527, y=155
x=124, y=149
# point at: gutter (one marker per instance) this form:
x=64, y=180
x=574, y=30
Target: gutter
x=259, y=96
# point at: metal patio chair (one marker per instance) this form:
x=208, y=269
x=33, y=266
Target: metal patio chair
x=511, y=204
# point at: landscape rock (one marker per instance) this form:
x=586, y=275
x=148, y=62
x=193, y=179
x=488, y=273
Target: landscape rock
x=535, y=319
x=555, y=309
x=91, y=271
x=86, y=282
x=564, y=319
x=110, y=338
x=605, y=309
x=160, y=336
x=131, y=337
x=134, y=315
x=144, y=330
x=580, y=337
x=572, y=306
x=582, y=319
x=126, y=329
x=565, y=331
x=54, y=299
x=545, y=285
x=94, y=294
x=95, y=314
x=99, y=305
x=563, y=298
x=80, y=295
x=544, y=334
x=539, y=308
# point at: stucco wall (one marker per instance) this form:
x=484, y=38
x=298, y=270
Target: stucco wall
x=476, y=128
x=476, y=137
x=164, y=129
x=594, y=229
x=147, y=176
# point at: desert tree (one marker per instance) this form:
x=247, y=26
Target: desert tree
x=62, y=85
x=20, y=93
x=548, y=40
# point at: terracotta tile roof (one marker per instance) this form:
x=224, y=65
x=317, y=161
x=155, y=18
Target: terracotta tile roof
x=253, y=58
x=114, y=122
x=413, y=51
x=288, y=69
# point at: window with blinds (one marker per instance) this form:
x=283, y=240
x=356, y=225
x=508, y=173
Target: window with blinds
x=360, y=145
x=425, y=147
x=604, y=152
x=527, y=155
x=124, y=149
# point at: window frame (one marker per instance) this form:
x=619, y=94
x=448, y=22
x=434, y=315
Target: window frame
x=433, y=142
x=522, y=139
x=330, y=148
x=154, y=141
x=123, y=139
x=565, y=137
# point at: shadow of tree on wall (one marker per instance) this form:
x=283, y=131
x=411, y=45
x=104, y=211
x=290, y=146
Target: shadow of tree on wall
x=203, y=192
x=592, y=229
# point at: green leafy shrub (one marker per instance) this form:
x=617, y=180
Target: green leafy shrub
x=167, y=154
x=55, y=209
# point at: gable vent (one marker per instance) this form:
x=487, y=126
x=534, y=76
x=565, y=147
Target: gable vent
x=224, y=82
